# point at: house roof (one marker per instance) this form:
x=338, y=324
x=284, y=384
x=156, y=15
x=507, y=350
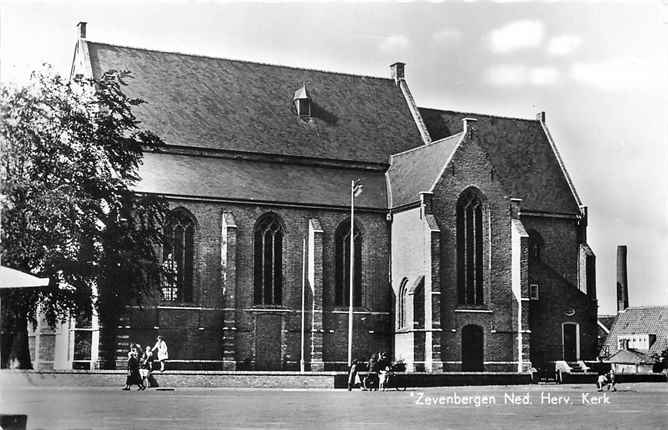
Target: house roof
x=12, y=278
x=630, y=356
x=416, y=170
x=244, y=106
x=522, y=155
x=258, y=181
x=607, y=321
x=641, y=320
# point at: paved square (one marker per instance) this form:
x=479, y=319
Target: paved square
x=634, y=406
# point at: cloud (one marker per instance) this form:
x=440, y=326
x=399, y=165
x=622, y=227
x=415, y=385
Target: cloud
x=394, y=43
x=541, y=76
x=620, y=74
x=517, y=35
x=514, y=75
x=447, y=36
x=564, y=44
x=504, y=75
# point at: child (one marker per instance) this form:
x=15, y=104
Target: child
x=146, y=365
x=161, y=346
x=606, y=380
x=384, y=377
x=353, y=376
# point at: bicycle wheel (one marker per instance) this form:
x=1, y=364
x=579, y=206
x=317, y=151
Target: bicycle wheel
x=399, y=384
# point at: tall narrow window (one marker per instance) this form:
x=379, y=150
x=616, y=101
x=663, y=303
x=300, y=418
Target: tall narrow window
x=401, y=306
x=177, y=256
x=470, y=248
x=342, y=239
x=268, y=260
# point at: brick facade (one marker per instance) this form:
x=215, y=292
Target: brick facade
x=231, y=163
x=517, y=332
x=223, y=324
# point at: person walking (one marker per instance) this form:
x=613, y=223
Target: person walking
x=161, y=347
x=353, y=377
x=371, y=381
x=146, y=362
x=133, y=378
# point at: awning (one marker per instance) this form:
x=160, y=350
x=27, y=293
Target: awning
x=12, y=278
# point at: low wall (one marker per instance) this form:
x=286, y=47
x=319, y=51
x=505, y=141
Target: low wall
x=590, y=378
x=451, y=379
x=172, y=379
x=212, y=379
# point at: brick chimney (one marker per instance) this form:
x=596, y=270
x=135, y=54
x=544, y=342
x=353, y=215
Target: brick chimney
x=398, y=72
x=82, y=29
x=622, y=281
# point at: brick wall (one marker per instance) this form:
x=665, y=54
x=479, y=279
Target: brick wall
x=560, y=299
x=472, y=169
x=194, y=331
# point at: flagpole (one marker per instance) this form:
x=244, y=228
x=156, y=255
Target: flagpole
x=301, y=361
x=351, y=274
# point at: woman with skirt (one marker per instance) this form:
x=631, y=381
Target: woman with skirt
x=134, y=378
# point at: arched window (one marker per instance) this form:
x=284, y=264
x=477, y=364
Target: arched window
x=178, y=256
x=342, y=240
x=535, y=245
x=470, y=247
x=401, y=305
x=268, y=260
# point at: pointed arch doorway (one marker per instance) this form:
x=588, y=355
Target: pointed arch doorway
x=473, y=349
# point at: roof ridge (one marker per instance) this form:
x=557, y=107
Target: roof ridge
x=480, y=114
x=435, y=142
x=647, y=307
x=210, y=57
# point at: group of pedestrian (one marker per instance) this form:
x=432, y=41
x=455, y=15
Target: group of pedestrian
x=140, y=367
x=377, y=377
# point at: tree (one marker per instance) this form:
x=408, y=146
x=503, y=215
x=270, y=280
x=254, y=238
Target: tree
x=70, y=151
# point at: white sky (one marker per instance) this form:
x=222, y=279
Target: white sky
x=599, y=70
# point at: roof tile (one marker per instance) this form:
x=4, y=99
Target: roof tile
x=415, y=170
x=213, y=177
x=238, y=105
x=520, y=153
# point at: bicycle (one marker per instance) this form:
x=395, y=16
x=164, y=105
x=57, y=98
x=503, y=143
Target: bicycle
x=394, y=381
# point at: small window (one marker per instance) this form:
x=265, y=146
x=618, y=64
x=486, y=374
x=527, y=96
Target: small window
x=304, y=108
x=536, y=244
x=302, y=102
x=533, y=291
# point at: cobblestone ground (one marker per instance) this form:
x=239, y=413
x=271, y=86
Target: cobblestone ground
x=634, y=406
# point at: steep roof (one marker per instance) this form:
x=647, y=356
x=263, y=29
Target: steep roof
x=244, y=106
x=416, y=170
x=607, y=321
x=630, y=356
x=258, y=181
x=522, y=155
x=641, y=320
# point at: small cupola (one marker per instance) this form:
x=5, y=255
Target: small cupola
x=302, y=101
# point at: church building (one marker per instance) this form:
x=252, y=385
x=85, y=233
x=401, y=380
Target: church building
x=469, y=239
